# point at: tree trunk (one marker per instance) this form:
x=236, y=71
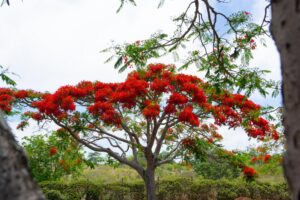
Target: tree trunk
x=149, y=180
x=285, y=28
x=15, y=180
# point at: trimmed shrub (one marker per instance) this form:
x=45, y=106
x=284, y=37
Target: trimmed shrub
x=172, y=189
x=54, y=195
x=74, y=191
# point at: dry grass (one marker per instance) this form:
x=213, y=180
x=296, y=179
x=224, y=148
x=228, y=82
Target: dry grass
x=108, y=174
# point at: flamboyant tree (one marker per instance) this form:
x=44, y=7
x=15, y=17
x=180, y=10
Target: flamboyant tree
x=154, y=109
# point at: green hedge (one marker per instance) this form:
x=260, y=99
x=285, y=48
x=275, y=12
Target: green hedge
x=176, y=189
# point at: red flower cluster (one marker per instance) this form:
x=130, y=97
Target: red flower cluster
x=57, y=104
x=6, y=99
x=144, y=92
x=160, y=85
x=264, y=158
x=34, y=115
x=151, y=111
x=235, y=107
x=78, y=161
x=127, y=92
x=254, y=159
x=53, y=151
x=249, y=172
x=187, y=115
x=21, y=94
x=259, y=127
x=177, y=99
x=188, y=142
x=267, y=158
x=106, y=112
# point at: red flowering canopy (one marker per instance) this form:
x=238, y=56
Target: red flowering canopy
x=153, y=107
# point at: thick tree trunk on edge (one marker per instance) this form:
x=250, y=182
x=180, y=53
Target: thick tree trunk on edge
x=149, y=180
x=285, y=28
x=15, y=180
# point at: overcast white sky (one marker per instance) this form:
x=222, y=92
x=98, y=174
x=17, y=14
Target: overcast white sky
x=50, y=43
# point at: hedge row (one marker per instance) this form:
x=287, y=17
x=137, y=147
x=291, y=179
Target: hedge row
x=178, y=189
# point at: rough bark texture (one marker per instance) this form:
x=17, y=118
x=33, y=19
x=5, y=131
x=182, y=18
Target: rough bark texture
x=149, y=180
x=15, y=180
x=285, y=29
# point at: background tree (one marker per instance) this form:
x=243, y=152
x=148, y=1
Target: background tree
x=213, y=162
x=154, y=109
x=54, y=156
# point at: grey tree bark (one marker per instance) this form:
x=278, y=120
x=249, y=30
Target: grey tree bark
x=16, y=182
x=285, y=28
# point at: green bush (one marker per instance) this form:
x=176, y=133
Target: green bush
x=172, y=189
x=54, y=156
x=54, y=195
x=216, y=169
x=124, y=191
x=74, y=191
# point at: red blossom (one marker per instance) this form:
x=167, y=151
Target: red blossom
x=188, y=142
x=151, y=111
x=6, y=99
x=37, y=116
x=182, y=79
x=238, y=98
x=275, y=135
x=78, y=161
x=249, y=172
x=254, y=132
x=254, y=159
x=103, y=94
x=160, y=85
x=68, y=104
x=267, y=158
x=21, y=94
x=248, y=105
x=53, y=151
x=156, y=68
x=177, y=99
x=170, y=109
x=187, y=115
x=210, y=140
x=100, y=107
x=199, y=97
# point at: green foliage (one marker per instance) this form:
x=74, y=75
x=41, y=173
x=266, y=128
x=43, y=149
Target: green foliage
x=213, y=162
x=95, y=158
x=6, y=79
x=214, y=169
x=54, y=156
x=54, y=195
x=224, y=55
x=270, y=167
x=73, y=191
